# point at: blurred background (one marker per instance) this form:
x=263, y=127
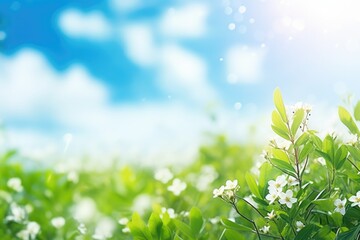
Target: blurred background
x=149, y=81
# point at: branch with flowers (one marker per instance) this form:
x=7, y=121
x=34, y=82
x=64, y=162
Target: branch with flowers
x=307, y=187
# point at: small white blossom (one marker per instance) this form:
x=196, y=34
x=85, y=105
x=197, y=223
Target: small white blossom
x=287, y=198
x=177, y=187
x=58, y=222
x=15, y=184
x=272, y=196
x=123, y=221
x=163, y=175
x=214, y=220
x=125, y=230
x=271, y=215
x=73, y=177
x=82, y=229
x=278, y=184
x=299, y=105
x=355, y=199
x=299, y=225
x=104, y=229
x=291, y=181
x=218, y=192
x=231, y=185
x=265, y=229
x=340, y=206
x=32, y=229
x=18, y=214
x=169, y=211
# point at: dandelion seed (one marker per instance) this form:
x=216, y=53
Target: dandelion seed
x=231, y=26
x=228, y=11
x=286, y=198
x=242, y=9
x=340, y=206
x=177, y=187
x=299, y=225
x=355, y=199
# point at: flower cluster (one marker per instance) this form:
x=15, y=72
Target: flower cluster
x=340, y=205
x=276, y=190
x=228, y=191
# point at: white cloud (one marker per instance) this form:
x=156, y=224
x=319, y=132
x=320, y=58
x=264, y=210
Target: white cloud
x=244, y=64
x=139, y=44
x=188, y=21
x=39, y=105
x=182, y=71
x=77, y=24
x=124, y=5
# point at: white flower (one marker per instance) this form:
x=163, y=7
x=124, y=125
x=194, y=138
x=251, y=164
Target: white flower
x=291, y=181
x=15, y=184
x=278, y=184
x=104, y=229
x=58, y=222
x=272, y=196
x=299, y=225
x=299, y=105
x=231, y=185
x=340, y=206
x=125, y=230
x=214, y=220
x=286, y=198
x=32, y=229
x=163, y=175
x=169, y=211
x=271, y=215
x=82, y=229
x=355, y=199
x=265, y=229
x=18, y=214
x=177, y=187
x=123, y=221
x=218, y=192
x=73, y=177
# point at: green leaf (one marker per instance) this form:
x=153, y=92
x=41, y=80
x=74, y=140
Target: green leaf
x=250, y=180
x=352, y=234
x=233, y=235
x=328, y=147
x=357, y=111
x=138, y=228
x=280, y=154
x=196, y=221
x=305, y=151
x=298, y=119
x=302, y=139
x=324, y=204
x=278, y=122
x=354, y=152
x=284, y=166
x=348, y=121
x=155, y=225
x=266, y=172
x=279, y=104
x=307, y=232
x=236, y=226
x=280, y=132
x=340, y=156
x=184, y=229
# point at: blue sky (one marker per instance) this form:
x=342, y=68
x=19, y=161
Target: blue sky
x=75, y=66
